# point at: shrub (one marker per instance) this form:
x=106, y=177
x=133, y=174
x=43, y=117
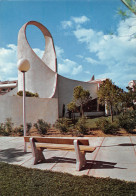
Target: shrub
x=107, y=127
x=128, y=120
x=8, y=127
x=81, y=126
x=1, y=128
x=28, y=94
x=19, y=130
x=62, y=125
x=28, y=127
x=42, y=126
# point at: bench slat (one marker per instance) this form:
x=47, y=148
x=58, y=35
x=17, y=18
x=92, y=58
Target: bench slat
x=57, y=140
x=80, y=146
x=65, y=147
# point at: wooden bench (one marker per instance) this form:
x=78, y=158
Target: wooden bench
x=80, y=146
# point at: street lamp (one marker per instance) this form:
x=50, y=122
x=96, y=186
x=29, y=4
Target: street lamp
x=24, y=66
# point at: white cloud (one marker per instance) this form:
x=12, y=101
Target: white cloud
x=79, y=56
x=59, y=51
x=77, y=69
x=116, y=52
x=8, y=58
x=68, y=67
x=77, y=21
x=38, y=52
x=90, y=37
x=8, y=62
x=80, y=20
x=92, y=61
x=88, y=72
x=127, y=29
x=66, y=24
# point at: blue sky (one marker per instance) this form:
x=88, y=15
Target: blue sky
x=81, y=32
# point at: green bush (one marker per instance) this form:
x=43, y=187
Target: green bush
x=128, y=120
x=19, y=130
x=6, y=128
x=28, y=94
x=81, y=126
x=1, y=128
x=42, y=126
x=62, y=125
x=28, y=127
x=107, y=127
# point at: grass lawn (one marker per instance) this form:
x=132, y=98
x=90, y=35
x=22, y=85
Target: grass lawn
x=91, y=123
x=17, y=180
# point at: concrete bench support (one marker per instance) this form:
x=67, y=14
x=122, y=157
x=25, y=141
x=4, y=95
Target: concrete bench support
x=80, y=146
x=36, y=152
x=80, y=156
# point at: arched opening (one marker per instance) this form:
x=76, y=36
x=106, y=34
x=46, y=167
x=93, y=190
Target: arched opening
x=35, y=39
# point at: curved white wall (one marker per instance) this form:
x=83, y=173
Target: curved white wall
x=41, y=78
x=66, y=87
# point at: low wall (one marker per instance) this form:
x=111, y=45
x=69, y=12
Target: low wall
x=36, y=108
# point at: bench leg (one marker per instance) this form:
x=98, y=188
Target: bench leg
x=80, y=156
x=36, y=152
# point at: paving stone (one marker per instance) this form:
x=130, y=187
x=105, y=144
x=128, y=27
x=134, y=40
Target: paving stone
x=70, y=170
x=122, y=174
x=116, y=141
x=95, y=141
x=120, y=156
x=133, y=140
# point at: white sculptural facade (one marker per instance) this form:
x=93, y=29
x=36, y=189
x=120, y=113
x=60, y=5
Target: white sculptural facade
x=54, y=90
x=42, y=78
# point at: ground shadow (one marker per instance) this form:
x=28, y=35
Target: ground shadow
x=11, y=155
x=124, y=144
x=127, y=144
x=90, y=164
x=101, y=165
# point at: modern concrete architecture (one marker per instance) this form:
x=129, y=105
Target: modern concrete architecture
x=54, y=90
x=7, y=86
x=42, y=78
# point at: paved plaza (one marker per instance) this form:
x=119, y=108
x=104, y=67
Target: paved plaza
x=114, y=157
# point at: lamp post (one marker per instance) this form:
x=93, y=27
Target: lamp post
x=24, y=66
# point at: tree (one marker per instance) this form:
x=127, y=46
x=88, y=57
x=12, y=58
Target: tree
x=71, y=108
x=80, y=99
x=131, y=4
x=128, y=98
x=109, y=94
x=124, y=14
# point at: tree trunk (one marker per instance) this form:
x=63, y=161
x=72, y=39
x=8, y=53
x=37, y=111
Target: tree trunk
x=111, y=113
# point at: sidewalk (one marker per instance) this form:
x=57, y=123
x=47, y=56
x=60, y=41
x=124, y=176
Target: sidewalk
x=114, y=157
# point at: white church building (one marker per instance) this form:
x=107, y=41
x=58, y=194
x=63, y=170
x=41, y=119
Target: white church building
x=54, y=90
